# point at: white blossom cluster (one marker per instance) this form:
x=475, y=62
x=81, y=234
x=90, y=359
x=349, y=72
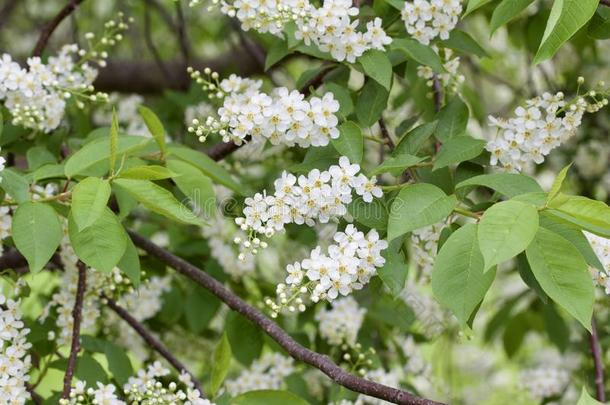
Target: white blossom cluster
x=282, y=117
x=348, y=266
x=424, y=246
x=450, y=79
x=540, y=126
x=6, y=221
x=126, y=108
x=317, y=196
x=332, y=28
x=389, y=378
x=102, y=394
x=341, y=323
x=36, y=96
x=601, y=247
x=426, y=20
x=430, y=315
x=14, y=358
x=266, y=373
x=202, y=109
x=544, y=381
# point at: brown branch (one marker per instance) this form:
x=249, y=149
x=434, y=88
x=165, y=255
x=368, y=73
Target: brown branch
x=596, y=352
x=385, y=133
x=48, y=29
x=296, y=350
x=437, y=91
x=152, y=341
x=77, y=314
x=36, y=398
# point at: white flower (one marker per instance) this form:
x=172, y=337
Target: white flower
x=266, y=373
x=427, y=19
x=341, y=323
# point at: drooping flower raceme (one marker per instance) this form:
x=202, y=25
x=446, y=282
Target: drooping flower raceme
x=426, y=20
x=341, y=323
x=14, y=357
x=540, y=126
x=266, y=373
x=282, y=117
x=332, y=28
x=424, y=245
x=601, y=247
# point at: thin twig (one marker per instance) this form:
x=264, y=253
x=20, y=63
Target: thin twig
x=385, y=133
x=151, y=45
x=77, y=313
x=36, y=398
x=181, y=32
x=596, y=352
x=48, y=29
x=152, y=341
x=295, y=349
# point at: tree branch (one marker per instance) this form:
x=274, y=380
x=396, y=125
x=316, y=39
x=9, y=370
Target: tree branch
x=152, y=341
x=48, y=29
x=296, y=350
x=596, y=352
x=77, y=314
x=385, y=134
x=36, y=398
x=181, y=32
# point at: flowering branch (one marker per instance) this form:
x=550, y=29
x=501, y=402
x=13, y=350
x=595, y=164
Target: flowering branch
x=152, y=341
x=77, y=314
x=296, y=350
x=597, y=361
x=48, y=29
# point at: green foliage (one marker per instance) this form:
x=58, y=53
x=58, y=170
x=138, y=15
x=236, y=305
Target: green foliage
x=89, y=199
x=458, y=149
x=351, y=142
x=155, y=127
x=267, y=397
x=220, y=365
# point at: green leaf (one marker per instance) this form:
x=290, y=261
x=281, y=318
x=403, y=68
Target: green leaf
x=38, y=156
x=592, y=215
x=397, y=163
x=508, y=184
x=98, y=151
x=155, y=127
x=566, y=18
x=15, y=184
x=462, y=42
x=599, y=27
x=89, y=199
x=474, y=5
x=414, y=139
x=118, y=363
x=586, y=399
x=208, y=166
x=416, y=206
x=372, y=101
x=276, y=53
x=556, y=187
x=268, y=397
x=422, y=54
x=245, y=338
x=397, y=4
x=159, y=200
x=195, y=185
x=151, y=172
x=458, y=149
x=220, y=365
x=458, y=278
x=114, y=140
x=351, y=142
x=378, y=67
x=452, y=119
x=102, y=244
x=562, y=273
x=343, y=96
x=373, y=214
x=130, y=263
x=506, y=11
x=505, y=230
x=199, y=309
x=37, y=233
x=90, y=371
x=394, y=271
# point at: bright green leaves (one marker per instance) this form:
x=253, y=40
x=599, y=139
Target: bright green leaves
x=452, y=119
x=458, y=149
x=562, y=273
x=394, y=271
x=114, y=141
x=422, y=54
x=149, y=172
x=475, y=4
x=591, y=215
x=197, y=187
x=505, y=230
x=89, y=199
x=556, y=187
x=378, y=67
x=458, y=278
x=15, y=184
x=506, y=11
x=586, y=399
x=155, y=127
x=102, y=244
x=157, y=199
x=372, y=101
x=220, y=365
x=351, y=142
x=397, y=164
x=509, y=184
x=37, y=233
x=268, y=397
x=567, y=17
x=416, y=206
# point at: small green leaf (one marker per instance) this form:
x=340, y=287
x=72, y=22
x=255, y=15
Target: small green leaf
x=414, y=139
x=592, y=215
x=422, y=54
x=246, y=339
x=397, y=163
x=372, y=101
x=90, y=371
x=114, y=140
x=195, y=185
x=157, y=199
x=351, y=142
x=155, y=127
x=373, y=214
x=343, y=96
x=458, y=278
x=276, y=53
x=505, y=230
x=15, y=184
x=586, y=399
x=268, y=397
x=462, y=42
x=458, y=149
x=416, y=206
x=118, y=363
x=474, y=5
x=556, y=187
x=378, y=67
x=563, y=274
x=89, y=199
x=506, y=11
x=37, y=233
x=220, y=365
x=199, y=309
x=452, y=119
x=151, y=172
x=394, y=271
x=130, y=263
x=508, y=184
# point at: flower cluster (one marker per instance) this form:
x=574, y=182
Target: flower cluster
x=341, y=323
x=428, y=19
x=430, y=315
x=348, y=266
x=318, y=196
x=266, y=373
x=101, y=394
x=601, y=247
x=424, y=246
x=36, y=96
x=545, y=381
x=330, y=27
x=540, y=126
x=450, y=79
x=282, y=117
x=14, y=360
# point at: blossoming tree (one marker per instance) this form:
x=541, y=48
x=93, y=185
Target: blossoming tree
x=304, y=202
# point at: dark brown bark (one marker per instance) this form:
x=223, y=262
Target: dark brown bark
x=596, y=353
x=48, y=29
